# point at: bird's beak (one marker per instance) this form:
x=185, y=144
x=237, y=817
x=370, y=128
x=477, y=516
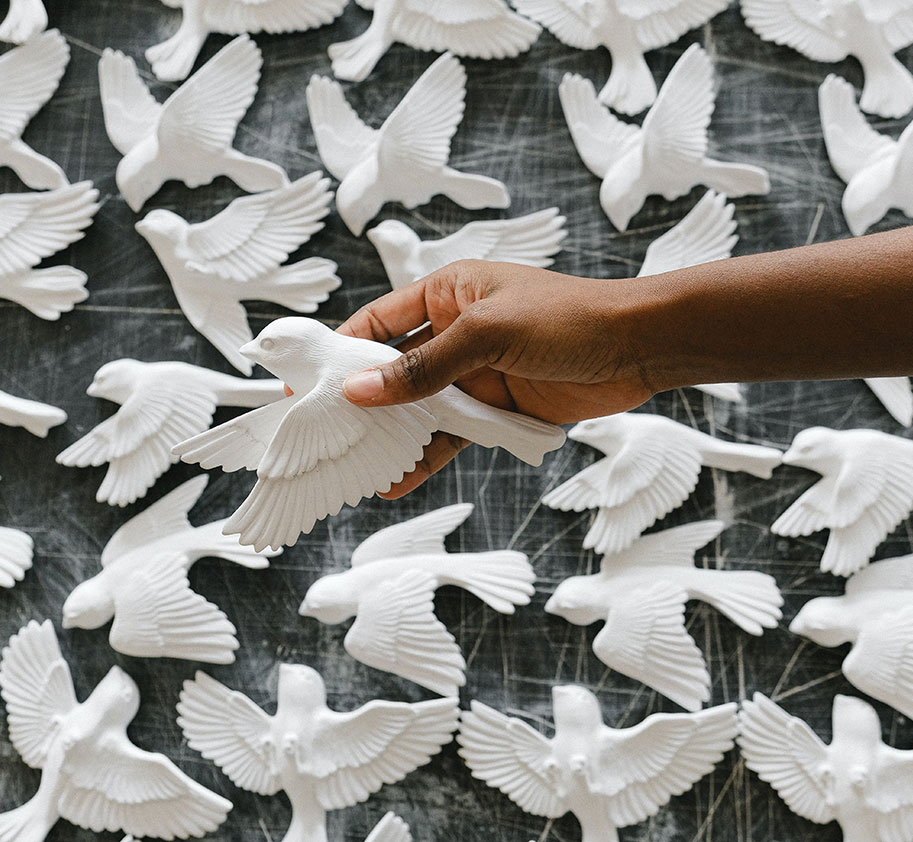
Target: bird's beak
x=791, y=457
x=68, y=622
x=305, y=609
x=576, y=432
x=797, y=626
x=552, y=606
x=92, y=391
x=142, y=226
x=251, y=350
x=372, y=236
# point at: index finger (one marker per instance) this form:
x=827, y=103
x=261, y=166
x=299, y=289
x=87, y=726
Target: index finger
x=389, y=316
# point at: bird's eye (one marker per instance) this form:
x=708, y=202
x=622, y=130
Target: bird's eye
x=267, y=344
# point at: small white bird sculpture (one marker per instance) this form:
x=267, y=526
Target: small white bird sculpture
x=405, y=160
x=390, y=591
x=322, y=759
x=866, y=490
x=15, y=556
x=143, y=584
x=667, y=155
x=188, y=137
x=895, y=395
x=24, y=19
x=161, y=404
x=34, y=226
x=628, y=29
x=236, y=255
x=314, y=450
x=173, y=59
x=856, y=780
x=37, y=418
x=641, y=592
x=474, y=28
x=831, y=30
x=607, y=777
x=652, y=464
x=29, y=75
x=91, y=773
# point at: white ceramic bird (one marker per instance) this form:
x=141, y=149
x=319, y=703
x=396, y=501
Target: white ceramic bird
x=876, y=617
x=856, y=780
x=29, y=75
x=37, y=418
x=895, y=395
x=607, y=777
x=865, y=491
x=667, y=155
x=474, y=28
x=236, y=255
x=91, y=773
x=16, y=550
x=173, y=59
x=161, y=404
x=390, y=591
x=188, y=137
x=641, y=592
x=34, y=226
x=314, y=450
x=628, y=29
x=831, y=30
x=24, y=19
x=529, y=240
x=652, y=464
x=877, y=170
x=143, y=584
x=405, y=160
x=322, y=759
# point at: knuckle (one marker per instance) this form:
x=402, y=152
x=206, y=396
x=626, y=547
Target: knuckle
x=413, y=368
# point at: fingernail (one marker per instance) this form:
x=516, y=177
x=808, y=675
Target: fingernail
x=364, y=385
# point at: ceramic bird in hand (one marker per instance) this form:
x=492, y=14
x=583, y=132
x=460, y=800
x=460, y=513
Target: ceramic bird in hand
x=188, y=137
x=173, y=59
x=641, y=592
x=15, y=556
x=91, y=773
x=652, y=464
x=866, y=490
x=314, y=450
x=322, y=759
x=405, y=160
x=390, y=591
x=607, y=777
x=34, y=226
x=628, y=29
x=143, y=584
x=831, y=30
x=37, y=418
x=236, y=255
x=475, y=29
x=161, y=404
x=24, y=19
x=856, y=780
x=667, y=155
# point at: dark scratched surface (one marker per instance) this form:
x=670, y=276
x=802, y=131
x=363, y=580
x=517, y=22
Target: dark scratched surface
x=513, y=129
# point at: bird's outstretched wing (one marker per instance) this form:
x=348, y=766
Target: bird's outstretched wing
x=570, y=21
x=707, y=233
x=235, y=17
x=343, y=140
x=230, y=730
x=36, y=225
x=416, y=536
x=254, y=234
x=895, y=395
x=36, y=685
x=785, y=753
x=598, y=135
x=391, y=828
x=660, y=22
x=797, y=24
x=508, y=754
x=670, y=547
x=131, y=112
x=15, y=556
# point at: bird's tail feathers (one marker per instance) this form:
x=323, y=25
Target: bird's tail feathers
x=753, y=459
x=631, y=87
x=25, y=824
x=473, y=191
x=47, y=292
x=253, y=174
x=354, y=60
x=299, y=286
x=749, y=598
x=208, y=540
x=502, y=579
x=735, y=179
x=35, y=170
x=888, y=89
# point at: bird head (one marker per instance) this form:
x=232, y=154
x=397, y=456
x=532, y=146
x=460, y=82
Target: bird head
x=857, y=720
x=621, y=194
x=575, y=707
x=300, y=687
x=330, y=599
x=161, y=227
x=571, y=600
x=116, y=380
x=603, y=433
x=395, y=242
x=293, y=348
x=89, y=606
x=815, y=448
x=823, y=620
x=136, y=180
x=117, y=697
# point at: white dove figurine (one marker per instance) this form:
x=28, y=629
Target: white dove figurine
x=876, y=168
x=161, y=404
x=188, y=137
x=322, y=759
x=34, y=226
x=15, y=556
x=876, y=617
x=36, y=417
x=865, y=491
x=235, y=256
x=831, y=30
x=29, y=75
x=473, y=28
x=652, y=464
x=607, y=777
x=91, y=773
x=390, y=591
x=143, y=584
x=628, y=29
x=25, y=19
x=529, y=240
x=173, y=59
x=641, y=592
x=667, y=155
x=405, y=160
x=856, y=780
x=314, y=450
x=895, y=395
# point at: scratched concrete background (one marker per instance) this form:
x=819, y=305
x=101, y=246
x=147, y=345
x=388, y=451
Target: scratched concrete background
x=513, y=129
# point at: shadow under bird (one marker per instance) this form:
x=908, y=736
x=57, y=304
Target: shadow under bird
x=25, y=19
